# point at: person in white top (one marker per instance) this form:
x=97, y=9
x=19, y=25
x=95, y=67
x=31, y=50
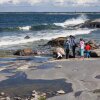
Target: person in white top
x=82, y=46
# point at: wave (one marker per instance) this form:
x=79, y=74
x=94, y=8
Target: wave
x=44, y=31
x=74, y=21
x=33, y=28
x=25, y=28
x=68, y=24
x=20, y=40
x=46, y=27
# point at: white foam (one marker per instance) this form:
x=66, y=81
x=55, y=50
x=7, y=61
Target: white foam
x=15, y=40
x=73, y=21
x=25, y=28
x=19, y=40
x=68, y=33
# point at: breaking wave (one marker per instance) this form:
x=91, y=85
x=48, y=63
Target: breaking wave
x=25, y=28
x=33, y=28
x=74, y=21
x=70, y=23
x=44, y=31
x=20, y=40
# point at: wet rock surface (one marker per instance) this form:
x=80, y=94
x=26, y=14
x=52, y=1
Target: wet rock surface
x=74, y=79
x=19, y=85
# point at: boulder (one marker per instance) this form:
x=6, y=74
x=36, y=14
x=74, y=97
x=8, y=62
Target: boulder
x=24, y=52
x=2, y=94
x=93, y=44
x=57, y=42
x=95, y=53
x=26, y=37
x=18, y=52
x=27, y=51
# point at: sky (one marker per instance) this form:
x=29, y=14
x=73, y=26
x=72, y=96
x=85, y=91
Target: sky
x=49, y=5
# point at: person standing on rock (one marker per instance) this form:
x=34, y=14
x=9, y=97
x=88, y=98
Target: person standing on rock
x=82, y=46
x=67, y=48
x=72, y=44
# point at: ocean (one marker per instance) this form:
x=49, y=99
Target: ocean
x=41, y=27
x=21, y=75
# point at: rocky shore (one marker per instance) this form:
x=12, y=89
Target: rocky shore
x=72, y=79
x=27, y=74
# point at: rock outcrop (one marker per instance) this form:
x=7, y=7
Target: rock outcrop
x=57, y=42
x=24, y=52
x=93, y=44
x=95, y=53
x=26, y=37
x=91, y=24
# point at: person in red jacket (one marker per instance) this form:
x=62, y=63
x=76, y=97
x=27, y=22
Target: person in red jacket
x=87, y=49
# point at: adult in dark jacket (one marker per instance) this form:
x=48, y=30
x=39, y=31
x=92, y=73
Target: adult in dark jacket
x=67, y=48
x=72, y=44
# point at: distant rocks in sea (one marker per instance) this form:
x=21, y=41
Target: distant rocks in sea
x=89, y=24
x=27, y=37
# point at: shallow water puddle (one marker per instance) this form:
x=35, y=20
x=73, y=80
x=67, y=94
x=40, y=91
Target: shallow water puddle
x=98, y=77
x=18, y=84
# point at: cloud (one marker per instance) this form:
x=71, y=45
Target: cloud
x=54, y=2
x=32, y=2
x=86, y=2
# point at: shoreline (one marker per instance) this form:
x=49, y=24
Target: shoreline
x=28, y=68
x=45, y=74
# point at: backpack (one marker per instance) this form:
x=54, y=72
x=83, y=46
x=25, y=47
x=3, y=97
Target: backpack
x=67, y=45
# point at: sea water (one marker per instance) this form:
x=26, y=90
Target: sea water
x=41, y=27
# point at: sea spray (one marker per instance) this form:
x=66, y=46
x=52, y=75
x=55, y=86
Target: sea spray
x=41, y=26
x=19, y=40
x=25, y=28
x=73, y=21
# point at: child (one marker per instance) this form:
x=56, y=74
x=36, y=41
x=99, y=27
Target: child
x=87, y=49
x=82, y=45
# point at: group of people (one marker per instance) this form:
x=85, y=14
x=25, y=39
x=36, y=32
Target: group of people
x=70, y=45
